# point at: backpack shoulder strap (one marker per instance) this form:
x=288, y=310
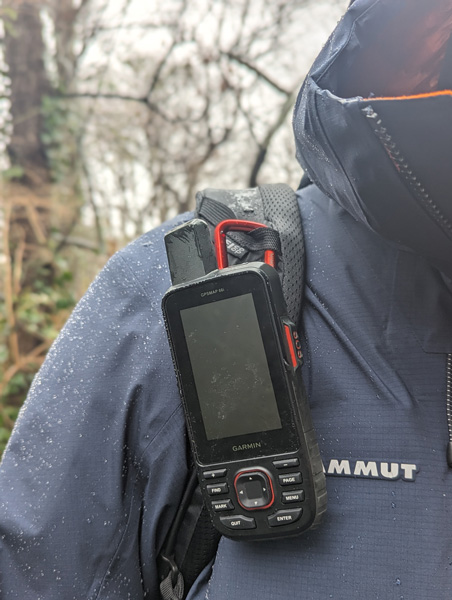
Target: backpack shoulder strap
x=190, y=544
x=192, y=540
x=274, y=205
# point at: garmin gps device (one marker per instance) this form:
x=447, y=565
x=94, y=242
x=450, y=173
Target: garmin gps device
x=238, y=358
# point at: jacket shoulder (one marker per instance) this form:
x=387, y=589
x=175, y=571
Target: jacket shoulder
x=145, y=257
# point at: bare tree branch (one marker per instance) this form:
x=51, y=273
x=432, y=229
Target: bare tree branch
x=263, y=147
x=155, y=108
x=246, y=63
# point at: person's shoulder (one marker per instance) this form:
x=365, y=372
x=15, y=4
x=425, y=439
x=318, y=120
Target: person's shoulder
x=151, y=243
x=144, y=259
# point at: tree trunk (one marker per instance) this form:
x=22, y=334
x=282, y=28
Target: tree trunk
x=27, y=192
x=24, y=55
x=31, y=275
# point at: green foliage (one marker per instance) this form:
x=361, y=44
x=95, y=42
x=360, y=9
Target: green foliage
x=8, y=15
x=14, y=172
x=17, y=386
x=60, y=135
x=43, y=307
x=40, y=310
x=10, y=412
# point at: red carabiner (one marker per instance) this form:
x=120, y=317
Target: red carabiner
x=236, y=225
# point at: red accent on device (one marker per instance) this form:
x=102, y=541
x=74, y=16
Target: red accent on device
x=269, y=479
x=290, y=344
x=236, y=225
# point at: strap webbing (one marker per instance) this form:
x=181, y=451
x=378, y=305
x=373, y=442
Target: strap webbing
x=214, y=211
x=169, y=591
x=261, y=239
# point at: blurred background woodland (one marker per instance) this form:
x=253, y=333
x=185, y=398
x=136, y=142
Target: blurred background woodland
x=112, y=114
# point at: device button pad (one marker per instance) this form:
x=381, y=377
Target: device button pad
x=270, y=496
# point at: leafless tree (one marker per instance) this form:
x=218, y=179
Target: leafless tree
x=194, y=94
x=119, y=111
x=37, y=200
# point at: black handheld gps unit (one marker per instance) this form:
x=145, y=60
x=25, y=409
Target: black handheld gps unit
x=237, y=358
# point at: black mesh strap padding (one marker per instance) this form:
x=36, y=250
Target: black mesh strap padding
x=282, y=211
x=202, y=548
x=276, y=206
x=189, y=546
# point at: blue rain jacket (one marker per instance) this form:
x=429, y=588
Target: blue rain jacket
x=98, y=459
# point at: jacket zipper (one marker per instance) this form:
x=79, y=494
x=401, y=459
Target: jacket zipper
x=449, y=407
x=429, y=205
x=414, y=184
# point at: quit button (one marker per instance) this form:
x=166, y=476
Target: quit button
x=238, y=522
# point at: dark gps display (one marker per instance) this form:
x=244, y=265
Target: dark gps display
x=230, y=368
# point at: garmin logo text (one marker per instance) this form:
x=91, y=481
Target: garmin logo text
x=372, y=469
x=247, y=446
x=212, y=292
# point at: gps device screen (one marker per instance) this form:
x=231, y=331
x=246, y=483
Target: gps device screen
x=230, y=368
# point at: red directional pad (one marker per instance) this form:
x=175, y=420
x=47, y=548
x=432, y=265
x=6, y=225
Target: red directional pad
x=254, y=489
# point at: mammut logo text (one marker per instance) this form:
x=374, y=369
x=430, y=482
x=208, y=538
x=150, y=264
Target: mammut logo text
x=372, y=469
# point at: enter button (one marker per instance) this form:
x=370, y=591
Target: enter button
x=285, y=517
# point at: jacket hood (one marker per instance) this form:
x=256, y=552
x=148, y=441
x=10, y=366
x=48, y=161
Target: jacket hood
x=373, y=122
